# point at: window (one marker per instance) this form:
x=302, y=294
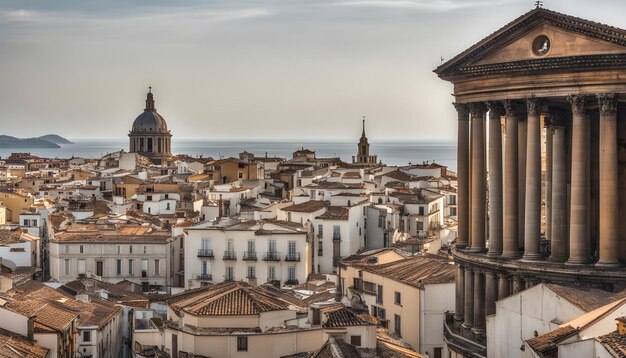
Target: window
x=396, y=298
x=397, y=324
x=205, y=267
x=240, y=175
x=242, y=344
x=118, y=267
x=251, y=272
x=271, y=273
x=144, y=268
x=230, y=273
x=291, y=273
x=81, y=267
x=130, y=249
x=67, y=249
x=291, y=247
x=320, y=248
x=157, y=267
x=130, y=267
x=67, y=267
x=119, y=249
x=251, y=247
x=34, y=222
x=145, y=249
x=272, y=246
x=438, y=352
x=86, y=336
x=421, y=210
x=336, y=232
x=355, y=340
x=320, y=230
x=379, y=294
x=168, y=207
x=81, y=250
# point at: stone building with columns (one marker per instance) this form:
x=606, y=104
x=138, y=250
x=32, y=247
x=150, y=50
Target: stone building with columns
x=149, y=135
x=569, y=75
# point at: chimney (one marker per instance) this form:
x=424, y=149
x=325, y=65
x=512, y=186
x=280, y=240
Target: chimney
x=621, y=325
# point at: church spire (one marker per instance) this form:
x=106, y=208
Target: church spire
x=363, y=134
x=150, y=100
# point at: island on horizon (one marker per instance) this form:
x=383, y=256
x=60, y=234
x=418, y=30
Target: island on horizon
x=45, y=141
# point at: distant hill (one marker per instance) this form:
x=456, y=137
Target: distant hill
x=19, y=143
x=57, y=139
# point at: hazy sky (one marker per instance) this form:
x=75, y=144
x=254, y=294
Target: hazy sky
x=225, y=69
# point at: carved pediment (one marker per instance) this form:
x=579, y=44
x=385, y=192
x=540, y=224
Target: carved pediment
x=560, y=43
x=538, y=38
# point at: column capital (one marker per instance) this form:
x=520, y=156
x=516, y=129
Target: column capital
x=462, y=111
x=496, y=110
x=477, y=109
x=502, y=275
x=533, y=106
x=490, y=274
x=512, y=108
x=608, y=103
x=577, y=102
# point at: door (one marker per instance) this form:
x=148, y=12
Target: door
x=99, y=268
x=174, y=346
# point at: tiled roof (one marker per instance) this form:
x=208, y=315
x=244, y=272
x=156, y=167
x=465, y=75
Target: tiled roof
x=335, y=213
x=93, y=287
x=336, y=348
x=337, y=315
x=8, y=237
x=388, y=345
x=546, y=344
x=307, y=207
x=417, y=271
x=12, y=345
x=334, y=185
x=585, y=298
x=614, y=343
x=227, y=298
x=125, y=234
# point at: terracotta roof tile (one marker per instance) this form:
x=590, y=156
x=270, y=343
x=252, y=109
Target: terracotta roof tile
x=417, y=271
x=307, y=207
x=614, y=343
x=585, y=298
x=546, y=344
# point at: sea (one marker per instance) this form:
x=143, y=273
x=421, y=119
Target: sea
x=390, y=152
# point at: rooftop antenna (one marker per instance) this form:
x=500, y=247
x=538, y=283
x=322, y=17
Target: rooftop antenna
x=538, y=4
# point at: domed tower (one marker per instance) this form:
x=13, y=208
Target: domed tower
x=149, y=135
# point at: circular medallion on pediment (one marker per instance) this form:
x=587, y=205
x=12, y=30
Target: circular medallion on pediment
x=541, y=45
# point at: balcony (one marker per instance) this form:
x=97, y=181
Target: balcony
x=461, y=339
x=204, y=277
x=205, y=253
x=249, y=256
x=320, y=235
x=336, y=237
x=229, y=278
x=291, y=282
x=293, y=256
x=271, y=256
x=229, y=255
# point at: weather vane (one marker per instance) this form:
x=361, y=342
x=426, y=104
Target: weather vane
x=538, y=4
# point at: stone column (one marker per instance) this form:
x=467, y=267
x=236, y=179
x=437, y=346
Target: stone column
x=517, y=284
x=479, y=302
x=548, y=192
x=468, y=301
x=477, y=226
x=609, y=192
x=579, y=210
x=491, y=292
x=462, y=175
x=559, y=243
x=460, y=291
x=532, y=207
x=504, y=288
x=510, y=245
x=495, y=178
x=522, y=135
